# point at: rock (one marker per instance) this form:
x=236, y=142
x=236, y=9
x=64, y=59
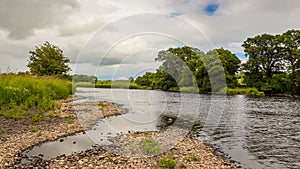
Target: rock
x=80, y=162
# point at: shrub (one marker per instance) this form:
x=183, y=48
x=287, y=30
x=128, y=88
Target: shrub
x=166, y=163
x=150, y=146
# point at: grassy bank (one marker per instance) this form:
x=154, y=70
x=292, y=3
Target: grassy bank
x=125, y=84
x=122, y=84
x=244, y=91
x=22, y=94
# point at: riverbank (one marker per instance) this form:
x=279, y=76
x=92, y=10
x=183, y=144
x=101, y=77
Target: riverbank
x=132, y=150
x=135, y=150
x=19, y=135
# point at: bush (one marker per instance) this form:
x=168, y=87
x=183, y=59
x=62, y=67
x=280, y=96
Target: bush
x=150, y=146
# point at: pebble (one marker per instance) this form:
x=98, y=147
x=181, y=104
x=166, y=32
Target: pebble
x=17, y=138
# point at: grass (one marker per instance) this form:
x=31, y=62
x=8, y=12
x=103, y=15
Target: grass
x=52, y=115
x=245, y=91
x=167, y=163
x=33, y=129
x=191, y=158
x=37, y=118
x=150, y=146
x=122, y=84
x=20, y=94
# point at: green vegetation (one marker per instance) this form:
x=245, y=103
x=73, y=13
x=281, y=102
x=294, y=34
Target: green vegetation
x=191, y=158
x=245, y=91
x=273, y=67
x=21, y=93
x=101, y=105
x=70, y=119
x=37, y=118
x=49, y=60
x=124, y=84
x=167, y=163
x=33, y=129
x=188, y=69
x=150, y=146
x=84, y=78
x=52, y=115
x=273, y=64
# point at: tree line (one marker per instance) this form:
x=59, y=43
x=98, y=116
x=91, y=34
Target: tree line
x=188, y=68
x=273, y=66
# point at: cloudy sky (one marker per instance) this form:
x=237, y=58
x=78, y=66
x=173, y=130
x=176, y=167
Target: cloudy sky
x=116, y=39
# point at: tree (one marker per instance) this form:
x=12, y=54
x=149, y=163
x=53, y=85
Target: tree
x=231, y=64
x=290, y=42
x=264, y=60
x=264, y=53
x=48, y=59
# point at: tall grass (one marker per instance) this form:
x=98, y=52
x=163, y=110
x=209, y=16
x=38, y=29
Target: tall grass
x=21, y=93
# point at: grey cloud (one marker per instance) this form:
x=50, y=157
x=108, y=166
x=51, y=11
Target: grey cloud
x=21, y=18
x=60, y=22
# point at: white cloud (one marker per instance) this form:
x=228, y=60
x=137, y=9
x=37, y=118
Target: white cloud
x=92, y=27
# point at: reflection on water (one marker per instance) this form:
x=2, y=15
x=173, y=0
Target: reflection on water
x=258, y=132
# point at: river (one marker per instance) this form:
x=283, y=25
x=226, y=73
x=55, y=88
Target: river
x=258, y=132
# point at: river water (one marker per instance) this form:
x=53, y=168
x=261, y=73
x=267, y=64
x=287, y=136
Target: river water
x=258, y=132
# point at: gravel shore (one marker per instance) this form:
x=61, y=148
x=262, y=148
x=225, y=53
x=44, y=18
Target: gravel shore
x=126, y=153
x=172, y=147
x=16, y=135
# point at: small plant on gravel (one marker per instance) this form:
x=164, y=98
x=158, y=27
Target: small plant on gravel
x=191, y=158
x=167, y=163
x=70, y=119
x=36, y=118
x=101, y=105
x=150, y=146
x=33, y=129
x=52, y=115
x=183, y=166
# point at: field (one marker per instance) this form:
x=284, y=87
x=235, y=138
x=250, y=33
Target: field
x=20, y=95
x=124, y=84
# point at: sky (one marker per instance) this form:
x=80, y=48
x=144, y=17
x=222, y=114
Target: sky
x=117, y=39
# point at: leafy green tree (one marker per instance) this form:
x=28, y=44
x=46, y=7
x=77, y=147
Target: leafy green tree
x=231, y=64
x=48, y=59
x=264, y=60
x=290, y=43
x=264, y=53
x=179, y=64
x=190, y=67
x=273, y=62
x=145, y=80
